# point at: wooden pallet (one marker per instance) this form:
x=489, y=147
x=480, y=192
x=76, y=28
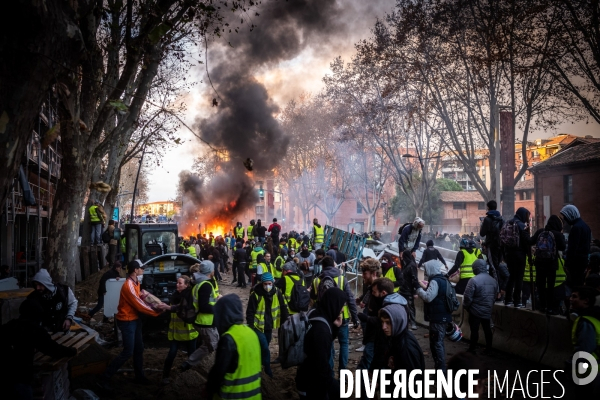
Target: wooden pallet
x=75, y=339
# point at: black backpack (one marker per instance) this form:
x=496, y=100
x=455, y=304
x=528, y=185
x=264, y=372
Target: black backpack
x=106, y=236
x=275, y=231
x=452, y=303
x=402, y=227
x=299, y=298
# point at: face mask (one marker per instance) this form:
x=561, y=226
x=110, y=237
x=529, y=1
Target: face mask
x=268, y=287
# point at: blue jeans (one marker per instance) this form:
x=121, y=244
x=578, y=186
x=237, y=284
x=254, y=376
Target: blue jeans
x=96, y=234
x=367, y=357
x=343, y=340
x=437, y=333
x=98, y=306
x=132, y=345
x=264, y=339
x=190, y=346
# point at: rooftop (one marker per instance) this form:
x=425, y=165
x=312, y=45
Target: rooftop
x=468, y=197
x=584, y=153
x=524, y=185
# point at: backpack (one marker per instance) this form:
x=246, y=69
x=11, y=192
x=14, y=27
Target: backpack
x=291, y=338
x=299, y=298
x=275, y=231
x=509, y=235
x=106, y=236
x=545, y=246
x=402, y=227
x=452, y=303
x=325, y=283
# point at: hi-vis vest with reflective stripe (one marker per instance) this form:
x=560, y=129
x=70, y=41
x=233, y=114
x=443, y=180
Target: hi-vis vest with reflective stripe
x=339, y=280
x=239, y=232
x=204, y=319
x=259, y=317
x=290, y=281
x=244, y=382
x=293, y=244
x=561, y=276
x=596, y=324
x=254, y=255
x=319, y=234
x=466, y=268
x=391, y=276
x=268, y=268
x=249, y=232
x=180, y=331
x=192, y=251
x=528, y=270
x=94, y=214
x=277, y=273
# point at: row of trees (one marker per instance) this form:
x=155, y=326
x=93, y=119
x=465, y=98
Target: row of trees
x=431, y=80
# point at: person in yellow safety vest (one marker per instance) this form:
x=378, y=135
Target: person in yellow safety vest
x=527, y=280
x=254, y=255
x=250, y=230
x=464, y=259
x=211, y=239
x=292, y=244
x=238, y=231
x=237, y=368
x=191, y=250
x=318, y=234
x=279, y=261
x=180, y=333
x=391, y=271
x=585, y=334
x=266, y=311
x=286, y=284
x=205, y=295
x=331, y=277
x=264, y=265
x=123, y=244
x=97, y=221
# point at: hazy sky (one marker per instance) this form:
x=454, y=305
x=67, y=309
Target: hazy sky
x=291, y=76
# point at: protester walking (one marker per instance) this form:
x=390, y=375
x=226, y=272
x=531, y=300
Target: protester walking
x=516, y=249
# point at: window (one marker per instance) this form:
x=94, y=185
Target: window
x=568, y=188
x=358, y=208
x=459, y=205
x=260, y=210
x=525, y=195
x=481, y=205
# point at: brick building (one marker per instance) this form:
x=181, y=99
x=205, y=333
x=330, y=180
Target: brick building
x=461, y=212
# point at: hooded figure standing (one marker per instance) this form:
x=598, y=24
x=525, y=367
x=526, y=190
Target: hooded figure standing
x=315, y=378
x=479, y=298
x=237, y=367
x=546, y=265
x=578, y=246
x=410, y=237
x=490, y=229
x=57, y=300
x=515, y=259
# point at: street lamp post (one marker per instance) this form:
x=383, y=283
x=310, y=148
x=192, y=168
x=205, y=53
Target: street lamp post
x=137, y=177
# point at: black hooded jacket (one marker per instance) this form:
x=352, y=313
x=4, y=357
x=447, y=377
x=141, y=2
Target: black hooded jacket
x=553, y=225
x=521, y=218
x=228, y=311
x=431, y=253
x=410, y=274
x=315, y=376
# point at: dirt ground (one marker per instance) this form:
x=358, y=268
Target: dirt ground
x=190, y=384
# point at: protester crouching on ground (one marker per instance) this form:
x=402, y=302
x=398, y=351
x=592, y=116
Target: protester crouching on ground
x=57, y=299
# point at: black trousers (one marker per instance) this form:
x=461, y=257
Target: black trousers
x=474, y=323
x=515, y=262
x=240, y=270
x=545, y=274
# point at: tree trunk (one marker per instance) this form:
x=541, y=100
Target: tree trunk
x=37, y=42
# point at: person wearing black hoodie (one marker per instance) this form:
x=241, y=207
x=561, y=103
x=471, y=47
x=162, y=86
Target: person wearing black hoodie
x=19, y=341
x=315, y=378
x=238, y=354
x=578, y=247
x=490, y=228
x=410, y=274
x=431, y=253
x=546, y=267
x=260, y=232
x=515, y=259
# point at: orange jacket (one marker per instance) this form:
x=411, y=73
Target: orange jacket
x=130, y=303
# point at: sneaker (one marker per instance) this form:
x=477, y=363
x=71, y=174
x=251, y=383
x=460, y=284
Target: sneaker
x=519, y=305
x=361, y=348
x=510, y=303
x=413, y=327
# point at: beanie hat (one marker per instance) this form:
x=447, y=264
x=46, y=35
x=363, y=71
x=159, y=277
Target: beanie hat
x=206, y=267
x=133, y=264
x=266, y=277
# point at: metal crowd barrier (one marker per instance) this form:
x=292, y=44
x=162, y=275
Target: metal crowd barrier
x=350, y=244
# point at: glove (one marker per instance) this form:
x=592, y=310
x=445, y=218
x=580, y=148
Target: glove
x=362, y=317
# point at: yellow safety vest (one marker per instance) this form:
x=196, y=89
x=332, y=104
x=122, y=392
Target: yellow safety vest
x=180, y=331
x=94, y=217
x=123, y=245
x=259, y=317
x=276, y=273
x=596, y=324
x=340, y=284
x=204, y=319
x=254, y=255
x=212, y=241
x=244, y=382
x=239, y=232
x=249, y=232
x=466, y=268
x=290, y=281
x=293, y=244
x=192, y=251
x=268, y=268
x=391, y=276
x=319, y=234
x=561, y=276
x=528, y=268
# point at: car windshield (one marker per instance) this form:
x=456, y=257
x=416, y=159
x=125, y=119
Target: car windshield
x=151, y=240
